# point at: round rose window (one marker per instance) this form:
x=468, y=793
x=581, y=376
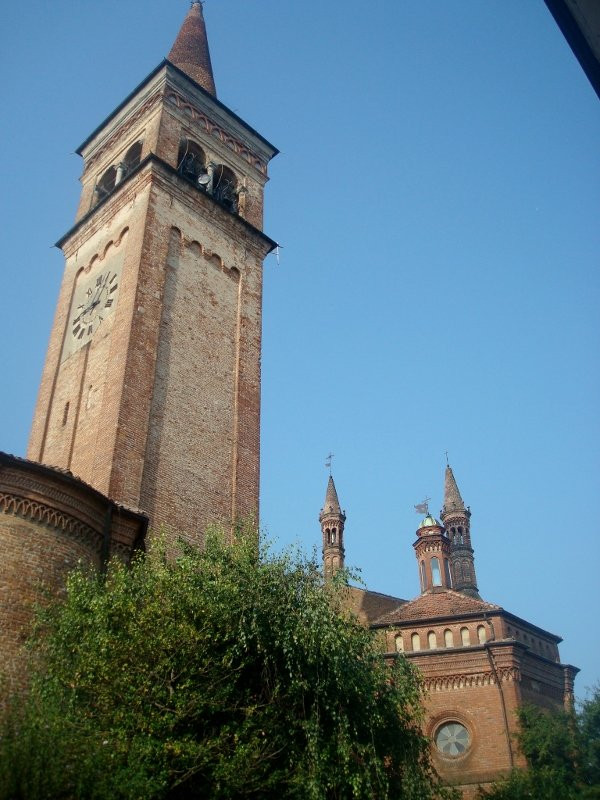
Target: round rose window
x=452, y=739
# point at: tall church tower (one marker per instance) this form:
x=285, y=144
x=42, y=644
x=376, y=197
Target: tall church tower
x=151, y=386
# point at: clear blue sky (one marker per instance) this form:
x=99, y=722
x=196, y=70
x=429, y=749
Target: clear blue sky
x=437, y=200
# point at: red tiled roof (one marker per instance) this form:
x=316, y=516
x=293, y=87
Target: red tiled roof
x=437, y=604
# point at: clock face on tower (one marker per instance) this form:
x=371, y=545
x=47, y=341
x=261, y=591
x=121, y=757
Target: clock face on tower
x=96, y=304
x=94, y=300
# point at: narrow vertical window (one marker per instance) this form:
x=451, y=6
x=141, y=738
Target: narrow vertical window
x=448, y=638
x=435, y=572
x=481, y=634
x=447, y=573
x=465, y=637
x=432, y=640
x=399, y=643
x=423, y=577
x=415, y=641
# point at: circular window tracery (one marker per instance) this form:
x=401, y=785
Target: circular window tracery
x=452, y=739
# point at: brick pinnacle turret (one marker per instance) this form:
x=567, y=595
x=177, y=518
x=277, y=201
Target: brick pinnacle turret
x=457, y=521
x=332, y=520
x=190, y=51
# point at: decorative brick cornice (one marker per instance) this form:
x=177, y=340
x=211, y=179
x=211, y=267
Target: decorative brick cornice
x=123, y=129
x=47, y=515
x=446, y=683
x=55, y=498
x=191, y=112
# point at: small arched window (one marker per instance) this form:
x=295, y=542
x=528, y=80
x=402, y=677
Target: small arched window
x=460, y=533
x=448, y=638
x=106, y=184
x=333, y=536
x=328, y=532
x=432, y=640
x=132, y=158
x=435, y=572
x=423, y=576
x=481, y=634
x=191, y=163
x=399, y=643
x=225, y=188
x=415, y=641
x=465, y=637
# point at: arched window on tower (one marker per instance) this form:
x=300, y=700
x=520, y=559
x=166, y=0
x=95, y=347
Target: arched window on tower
x=432, y=640
x=423, y=576
x=333, y=535
x=448, y=638
x=191, y=163
x=460, y=534
x=105, y=185
x=132, y=158
x=465, y=637
x=399, y=643
x=481, y=634
x=436, y=576
x=415, y=641
x=225, y=188
x=328, y=532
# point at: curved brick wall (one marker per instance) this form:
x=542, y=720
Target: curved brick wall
x=50, y=521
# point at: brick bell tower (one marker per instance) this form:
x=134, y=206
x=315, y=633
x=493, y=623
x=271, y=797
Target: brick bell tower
x=332, y=520
x=151, y=386
x=457, y=521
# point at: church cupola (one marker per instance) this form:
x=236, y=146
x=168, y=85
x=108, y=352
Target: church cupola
x=432, y=550
x=456, y=518
x=332, y=520
x=190, y=50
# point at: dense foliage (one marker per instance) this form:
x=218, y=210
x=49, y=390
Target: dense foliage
x=563, y=754
x=227, y=673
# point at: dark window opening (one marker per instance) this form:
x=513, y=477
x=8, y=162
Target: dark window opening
x=191, y=163
x=132, y=158
x=224, y=188
x=106, y=184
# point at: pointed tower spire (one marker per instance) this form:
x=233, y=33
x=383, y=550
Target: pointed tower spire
x=452, y=498
x=190, y=51
x=457, y=521
x=332, y=520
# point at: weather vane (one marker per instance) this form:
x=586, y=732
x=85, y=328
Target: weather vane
x=447, y=462
x=328, y=462
x=423, y=508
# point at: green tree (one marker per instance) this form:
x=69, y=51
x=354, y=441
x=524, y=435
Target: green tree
x=563, y=755
x=227, y=673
